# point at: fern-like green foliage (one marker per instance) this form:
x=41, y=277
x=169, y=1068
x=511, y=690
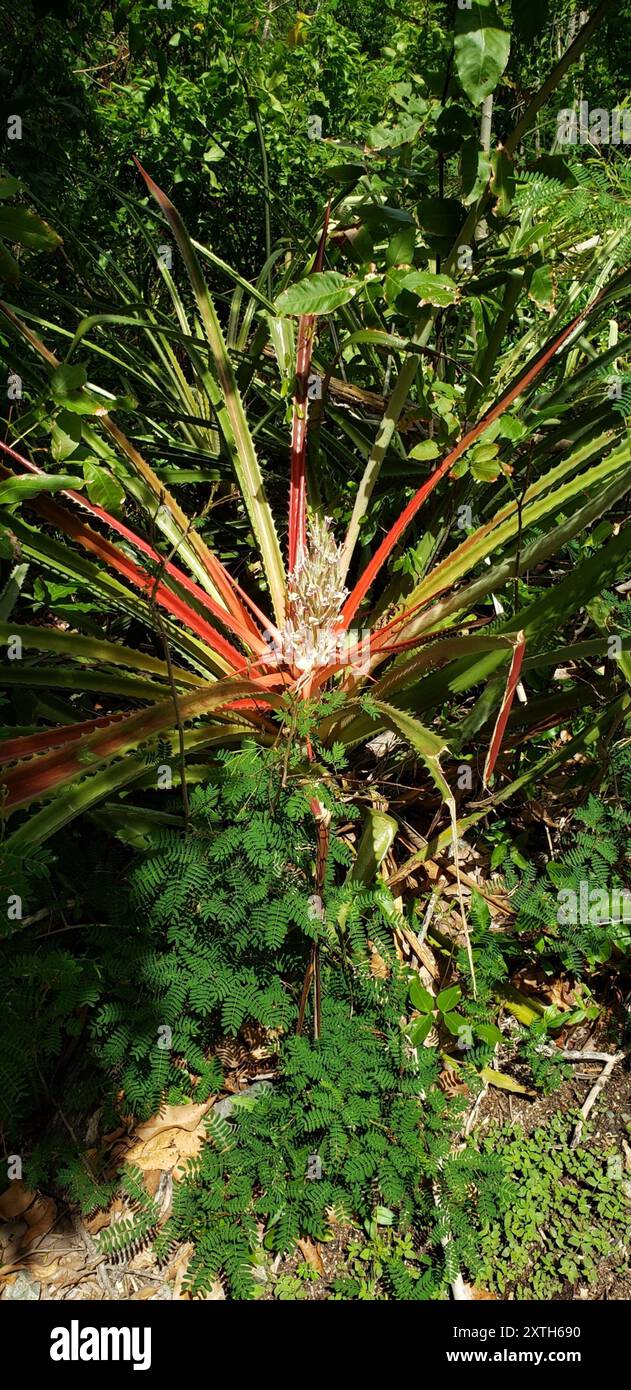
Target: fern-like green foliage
x=218, y=936
x=209, y=935
x=589, y=188
x=353, y=1128
x=127, y=1235
x=593, y=867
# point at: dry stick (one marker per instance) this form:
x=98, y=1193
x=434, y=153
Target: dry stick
x=578, y=1056
x=451, y=807
x=460, y=1291
x=612, y=1061
x=312, y=975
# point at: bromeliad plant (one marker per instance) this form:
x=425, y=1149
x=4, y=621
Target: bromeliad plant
x=229, y=661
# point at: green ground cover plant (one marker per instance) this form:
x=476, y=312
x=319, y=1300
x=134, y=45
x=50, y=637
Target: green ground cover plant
x=315, y=634
x=567, y=1210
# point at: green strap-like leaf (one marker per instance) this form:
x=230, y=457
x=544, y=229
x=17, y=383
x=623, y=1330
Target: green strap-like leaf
x=231, y=415
x=74, y=645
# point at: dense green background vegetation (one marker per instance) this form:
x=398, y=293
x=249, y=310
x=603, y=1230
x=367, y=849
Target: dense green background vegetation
x=349, y=872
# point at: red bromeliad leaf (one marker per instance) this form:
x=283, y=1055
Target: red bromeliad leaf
x=40, y=775
x=242, y=627
x=157, y=592
x=530, y=373
x=14, y=749
x=230, y=592
x=67, y=522
x=216, y=572
x=502, y=718
x=298, y=482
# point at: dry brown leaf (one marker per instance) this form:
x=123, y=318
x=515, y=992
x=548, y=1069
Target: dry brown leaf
x=559, y=992
x=39, y=1217
x=103, y=1218
x=185, y=1117
x=164, y=1151
x=153, y=1178
x=311, y=1254
x=46, y=1273
x=15, y=1200
x=378, y=966
x=451, y=1083
x=178, y=1269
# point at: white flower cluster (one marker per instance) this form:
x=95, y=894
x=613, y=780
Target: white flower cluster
x=310, y=640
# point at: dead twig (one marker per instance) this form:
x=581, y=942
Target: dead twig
x=597, y=1087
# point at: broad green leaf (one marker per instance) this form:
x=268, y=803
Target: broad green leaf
x=448, y=998
x=383, y=137
x=376, y=838
x=453, y=127
x=102, y=487
x=502, y=182
x=67, y=385
x=345, y=173
x=20, y=489
x=18, y=224
x=455, y=1023
x=68, y=379
x=541, y=287
x=489, y=1033
x=439, y=290
x=319, y=293
x=485, y=470
x=420, y=1029
x=421, y=997
x=483, y=453
x=440, y=217
x=66, y=435
x=504, y=1082
x=400, y=248
x=475, y=168
x=481, y=47
x=427, y=450
x=68, y=389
